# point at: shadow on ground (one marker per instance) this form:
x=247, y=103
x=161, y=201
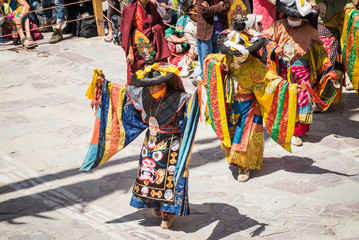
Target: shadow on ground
x=338, y=118
x=80, y=192
x=292, y=164
x=32, y=182
x=87, y=191
x=198, y=158
x=227, y=218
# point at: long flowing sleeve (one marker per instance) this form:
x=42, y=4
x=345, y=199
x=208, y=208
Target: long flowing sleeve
x=117, y=124
x=190, y=124
x=323, y=77
x=349, y=39
x=277, y=99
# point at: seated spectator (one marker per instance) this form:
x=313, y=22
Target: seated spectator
x=2, y=19
x=60, y=18
x=175, y=36
x=182, y=39
x=113, y=6
x=16, y=16
x=190, y=33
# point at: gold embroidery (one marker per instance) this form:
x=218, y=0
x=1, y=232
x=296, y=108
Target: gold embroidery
x=161, y=146
x=161, y=174
x=158, y=194
x=153, y=138
x=173, y=160
x=146, y=183
x=234, y=118
x=136, y=188
x=169, y=184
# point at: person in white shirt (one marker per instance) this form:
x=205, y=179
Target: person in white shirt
x=190, y=33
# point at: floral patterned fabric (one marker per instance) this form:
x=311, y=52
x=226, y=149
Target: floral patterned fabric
x=300, y=70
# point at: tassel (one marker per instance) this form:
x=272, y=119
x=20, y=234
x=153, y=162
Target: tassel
x=94, y=90
x=90, y=93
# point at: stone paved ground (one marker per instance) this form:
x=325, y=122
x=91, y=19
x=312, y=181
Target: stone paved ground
x=45, y=128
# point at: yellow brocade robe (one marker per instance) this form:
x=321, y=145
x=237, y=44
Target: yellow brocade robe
x=253, y=93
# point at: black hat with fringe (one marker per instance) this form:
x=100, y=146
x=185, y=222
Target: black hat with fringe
x=156, y=74
x=298, y=9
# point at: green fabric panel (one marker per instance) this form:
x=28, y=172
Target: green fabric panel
x=352, y=55
x=229, y=96
x=277, y=121
x=350, y=23
x=209, y=73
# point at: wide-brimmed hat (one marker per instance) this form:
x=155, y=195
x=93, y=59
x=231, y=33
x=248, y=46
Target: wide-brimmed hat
x=298, y=9
x=158, y=73
x=237, y=43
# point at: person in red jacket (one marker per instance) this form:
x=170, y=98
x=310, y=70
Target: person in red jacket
x=211, y=20
x=142, y=15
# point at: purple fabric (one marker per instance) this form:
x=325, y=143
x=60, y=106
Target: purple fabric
x=217, y=25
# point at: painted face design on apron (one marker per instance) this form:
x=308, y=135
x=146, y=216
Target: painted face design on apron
x=151, y=155
x=157, y=166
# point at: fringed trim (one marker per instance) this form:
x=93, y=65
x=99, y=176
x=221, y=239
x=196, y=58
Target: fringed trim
x=94, y=90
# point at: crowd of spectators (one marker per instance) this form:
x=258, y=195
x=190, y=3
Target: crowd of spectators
x=189, y=27
x=20, y=18
x=22, y=21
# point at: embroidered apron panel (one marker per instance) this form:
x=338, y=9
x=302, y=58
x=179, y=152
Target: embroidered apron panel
x=157, y=166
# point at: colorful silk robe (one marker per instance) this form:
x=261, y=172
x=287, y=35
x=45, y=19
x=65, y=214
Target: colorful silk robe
x=312, y=60
x=162, y=176
x=331, y=41
x=350, y=39
x=333, y=16
x=239, y=103
x=305, y=71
